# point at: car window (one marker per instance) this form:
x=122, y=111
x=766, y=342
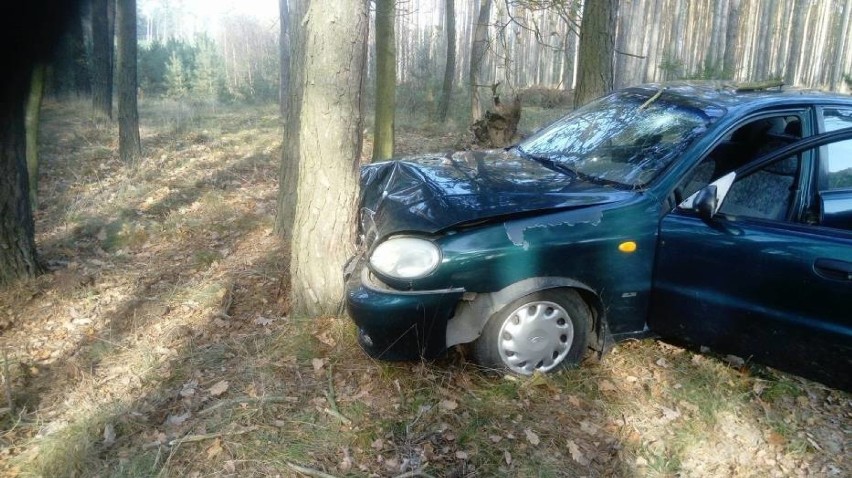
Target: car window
x=743, y=144
x=838, y=162
x=625, y=138
x=766, y=193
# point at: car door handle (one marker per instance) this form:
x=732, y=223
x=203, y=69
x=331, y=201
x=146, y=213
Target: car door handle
x=833, y=269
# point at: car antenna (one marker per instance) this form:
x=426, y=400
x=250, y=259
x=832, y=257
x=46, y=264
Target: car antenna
x=653, y=98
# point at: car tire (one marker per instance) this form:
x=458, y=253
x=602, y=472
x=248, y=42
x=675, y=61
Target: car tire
x=544, y=331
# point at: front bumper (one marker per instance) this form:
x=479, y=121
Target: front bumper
x=394, y=324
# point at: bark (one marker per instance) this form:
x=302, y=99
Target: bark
x=729, y=61
x=842, y=43
x=450, y=67
x=477, y=55
x=32, y=121
x=283, y=55
x=597, y=34
x=330, y=138
x=30, y=37
x=17, y=231
x=288, y=179
x=101, y=59
x=129, y=145
x=383, y=138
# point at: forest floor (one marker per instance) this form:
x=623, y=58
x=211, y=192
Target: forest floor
x=159, y=343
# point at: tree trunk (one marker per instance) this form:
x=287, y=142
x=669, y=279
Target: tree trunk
x=17, y=231
x=129, y=145
x=383, y=138
x=283, y=55
x=32, y=120
x=597, y=34
x=288, y=178
x=729, y=60
x=101, y=60
x=842, y=43
x=331, y=120
x=450, y=67
x=477, y=55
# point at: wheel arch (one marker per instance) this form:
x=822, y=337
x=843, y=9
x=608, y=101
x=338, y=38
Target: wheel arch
x=473, y=311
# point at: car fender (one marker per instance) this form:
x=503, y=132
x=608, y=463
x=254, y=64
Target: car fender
x=474, y=310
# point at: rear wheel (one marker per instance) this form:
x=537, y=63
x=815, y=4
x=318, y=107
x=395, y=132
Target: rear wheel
x=542, y=331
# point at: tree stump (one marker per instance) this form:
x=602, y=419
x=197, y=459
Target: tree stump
x=499, y=126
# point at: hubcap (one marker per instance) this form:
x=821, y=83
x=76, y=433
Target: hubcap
x=536, y=336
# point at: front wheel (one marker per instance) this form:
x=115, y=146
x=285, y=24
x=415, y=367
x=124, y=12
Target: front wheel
x=542, y=331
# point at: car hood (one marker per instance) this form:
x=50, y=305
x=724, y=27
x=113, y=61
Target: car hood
x=429, y=193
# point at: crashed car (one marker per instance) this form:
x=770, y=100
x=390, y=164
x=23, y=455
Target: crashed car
x=695, y=212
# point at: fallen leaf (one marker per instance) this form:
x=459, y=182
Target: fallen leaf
x=640, y=461
x=346, y=463
x=495, y=438
x=532, y=437
x=177, y=420
x=318, y=364
x=508, y=457
x=776, y=438
x=109, y=434
x=377, y=444
x=662, y=363
x=461, y=455
x=576, y=454
x=607, y=386
x=219, y=388
x=449, y=405
x=215, y=449
x=263, y=321
x=669, y=414
x=573, y=400
x=327, y=339
x=589, y=427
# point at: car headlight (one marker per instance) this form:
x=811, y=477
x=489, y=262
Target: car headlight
x=405, y=257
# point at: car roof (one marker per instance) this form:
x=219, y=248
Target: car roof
x=731, y=95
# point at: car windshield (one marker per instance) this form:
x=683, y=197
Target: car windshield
x=626, y=139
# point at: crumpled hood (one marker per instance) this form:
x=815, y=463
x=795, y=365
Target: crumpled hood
x=429, y=193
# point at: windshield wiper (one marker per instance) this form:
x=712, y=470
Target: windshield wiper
x=547, y=162
x=562, y=168
x=597, y=180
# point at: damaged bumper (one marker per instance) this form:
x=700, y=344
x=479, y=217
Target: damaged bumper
x=394, y=324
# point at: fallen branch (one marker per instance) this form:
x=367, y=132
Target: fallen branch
x=207, y=436
x=410, y=474
x=337, y=415
x=234, y=401
x=309, y=471
x=7, y=380
x=332, y=402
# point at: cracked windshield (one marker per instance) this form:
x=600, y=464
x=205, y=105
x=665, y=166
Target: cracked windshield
x=625, y=140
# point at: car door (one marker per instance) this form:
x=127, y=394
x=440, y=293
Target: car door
x=769, y=276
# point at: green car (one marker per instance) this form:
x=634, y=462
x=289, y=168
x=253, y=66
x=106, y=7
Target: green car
x=695, y=212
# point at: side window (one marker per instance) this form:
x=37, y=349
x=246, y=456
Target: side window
x=835, y=179
x=837, y=165
x=766, y=193
x=745, y=143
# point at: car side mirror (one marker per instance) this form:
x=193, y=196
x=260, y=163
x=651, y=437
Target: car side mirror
x=706, y=202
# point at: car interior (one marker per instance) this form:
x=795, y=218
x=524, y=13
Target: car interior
x=766, y=193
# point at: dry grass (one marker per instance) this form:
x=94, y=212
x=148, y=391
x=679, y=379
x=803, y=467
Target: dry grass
x=160, y=344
